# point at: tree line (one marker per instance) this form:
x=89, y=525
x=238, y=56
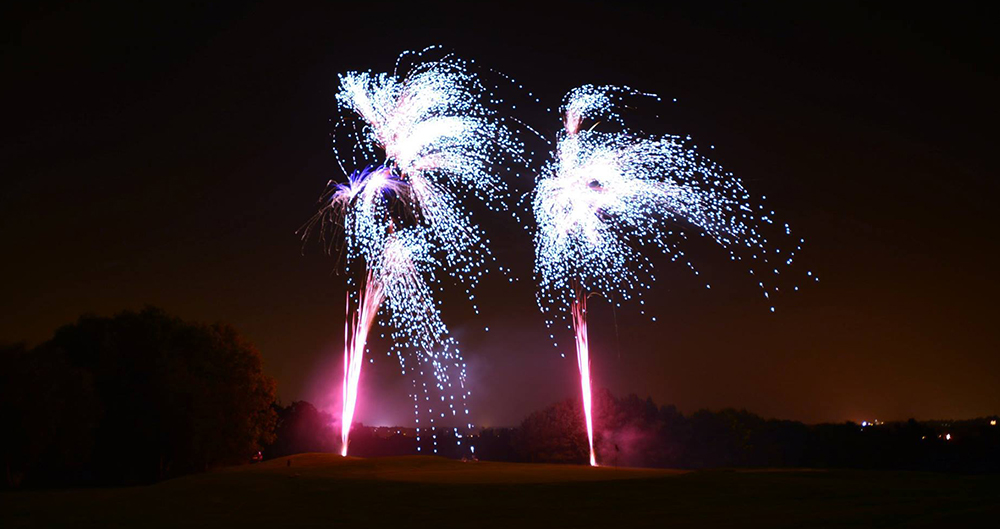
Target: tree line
x=631, y=431
x=634, y=432
x=143, y=396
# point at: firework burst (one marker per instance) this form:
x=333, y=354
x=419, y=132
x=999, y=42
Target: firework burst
x=430, y=139
x=605, y=197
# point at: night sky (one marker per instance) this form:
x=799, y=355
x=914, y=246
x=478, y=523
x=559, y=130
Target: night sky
x=168, y=157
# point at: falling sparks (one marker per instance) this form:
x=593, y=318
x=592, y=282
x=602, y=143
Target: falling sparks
x=429, y=138
x=606, y=196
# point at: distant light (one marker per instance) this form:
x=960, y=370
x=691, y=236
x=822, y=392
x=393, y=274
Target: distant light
x=947, y=437
x=993, y=422
x=864, y=423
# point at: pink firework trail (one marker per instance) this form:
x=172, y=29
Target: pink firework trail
x=579, y=310
x=370, y=297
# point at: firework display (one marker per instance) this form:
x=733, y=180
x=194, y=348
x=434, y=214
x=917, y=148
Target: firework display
x=426, y=139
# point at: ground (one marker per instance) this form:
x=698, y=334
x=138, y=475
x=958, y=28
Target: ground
x=330, y=491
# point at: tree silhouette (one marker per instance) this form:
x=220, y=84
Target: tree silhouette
x=143, y=396
x=555, y=434
x=302, y=428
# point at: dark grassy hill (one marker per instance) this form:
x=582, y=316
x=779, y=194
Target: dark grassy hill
x=329, y=491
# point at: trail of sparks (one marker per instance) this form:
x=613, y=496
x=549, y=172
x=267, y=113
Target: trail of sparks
x=606, y=196
x=355, y=337
x=579, y=311
x=430, y=138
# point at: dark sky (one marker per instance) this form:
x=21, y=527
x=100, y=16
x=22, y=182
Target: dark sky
x=168, y=156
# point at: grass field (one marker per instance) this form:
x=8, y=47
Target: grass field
x=325, y=490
